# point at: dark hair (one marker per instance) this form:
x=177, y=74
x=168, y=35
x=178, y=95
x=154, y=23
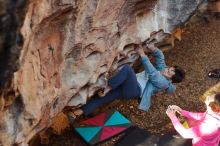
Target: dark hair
x=215, y=106
x=179, y=74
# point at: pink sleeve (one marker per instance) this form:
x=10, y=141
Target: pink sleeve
x=194, y=116
x=193, y=132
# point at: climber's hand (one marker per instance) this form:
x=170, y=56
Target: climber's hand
x=151, y=46
x=139, y=49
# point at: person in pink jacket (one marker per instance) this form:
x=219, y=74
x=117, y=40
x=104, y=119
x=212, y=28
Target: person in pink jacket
x=204, y=128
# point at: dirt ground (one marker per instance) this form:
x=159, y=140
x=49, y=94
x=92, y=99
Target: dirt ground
x=197, y=53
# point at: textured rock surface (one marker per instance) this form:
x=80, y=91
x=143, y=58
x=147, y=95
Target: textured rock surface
x=70, y=45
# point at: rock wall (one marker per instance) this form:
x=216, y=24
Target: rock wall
x=70, y=46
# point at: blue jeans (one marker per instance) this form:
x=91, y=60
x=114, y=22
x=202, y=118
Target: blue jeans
x=124, y=86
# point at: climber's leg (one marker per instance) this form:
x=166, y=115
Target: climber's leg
x=98, y=101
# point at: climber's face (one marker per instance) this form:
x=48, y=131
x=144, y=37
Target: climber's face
x=169, y=72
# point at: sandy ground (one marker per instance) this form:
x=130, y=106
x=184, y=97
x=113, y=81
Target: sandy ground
x=197, y=53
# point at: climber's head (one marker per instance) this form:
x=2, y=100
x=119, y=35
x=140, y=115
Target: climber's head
x=175, y=73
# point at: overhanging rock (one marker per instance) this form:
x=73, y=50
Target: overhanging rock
x=70, y=45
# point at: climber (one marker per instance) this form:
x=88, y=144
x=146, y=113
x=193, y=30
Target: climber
x=204, y=127
x=126, y=85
